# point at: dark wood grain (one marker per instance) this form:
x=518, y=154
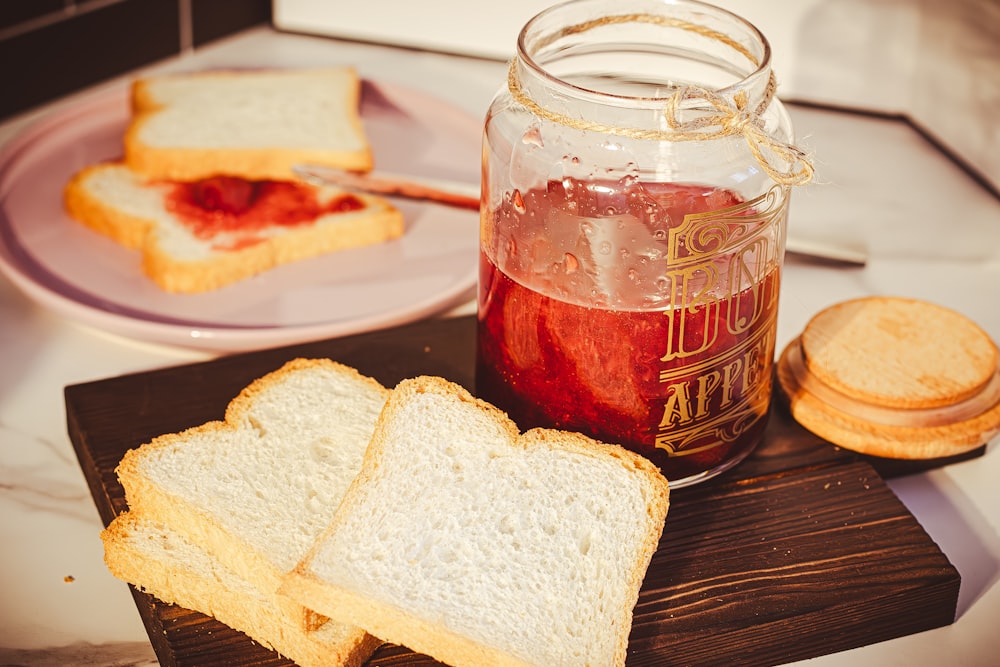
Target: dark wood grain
x=800, y=551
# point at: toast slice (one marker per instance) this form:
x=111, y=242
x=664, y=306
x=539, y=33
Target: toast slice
x=254, y=124
x=201, y=236
x=469, y=542
x=164, y=564
x=257, y=489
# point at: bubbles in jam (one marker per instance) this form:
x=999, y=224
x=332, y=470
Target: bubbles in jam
x=583, y=324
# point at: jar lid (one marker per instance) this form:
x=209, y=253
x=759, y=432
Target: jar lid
x=893, y=377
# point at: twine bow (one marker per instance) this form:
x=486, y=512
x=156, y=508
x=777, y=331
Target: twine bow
x=730, y=118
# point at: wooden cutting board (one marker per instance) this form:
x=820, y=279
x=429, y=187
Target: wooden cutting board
x=800, y=551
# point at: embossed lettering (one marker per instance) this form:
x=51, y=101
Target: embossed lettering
x=716, y=374
x=707, y=384
x=730, y=373
x=678, y=405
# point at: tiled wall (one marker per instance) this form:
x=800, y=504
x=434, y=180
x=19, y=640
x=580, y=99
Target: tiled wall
x=49, y=48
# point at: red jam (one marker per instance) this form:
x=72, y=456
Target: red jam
x=226, y=204
x=685, y=381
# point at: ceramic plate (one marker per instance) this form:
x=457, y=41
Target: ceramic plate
x=92, y=280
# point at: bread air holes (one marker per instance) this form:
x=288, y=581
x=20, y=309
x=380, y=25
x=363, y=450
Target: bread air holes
x=448, y=555
x=257, y=426
x=507, y=525
x=583, y=541
x=456, y=465
x=315, y=503
x=325, y=450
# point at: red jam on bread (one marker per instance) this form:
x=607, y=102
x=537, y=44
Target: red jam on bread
x=225, y=204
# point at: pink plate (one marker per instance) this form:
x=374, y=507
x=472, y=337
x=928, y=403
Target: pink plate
x=92, y=280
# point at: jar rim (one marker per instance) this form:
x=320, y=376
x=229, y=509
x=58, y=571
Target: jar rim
x=526, y=54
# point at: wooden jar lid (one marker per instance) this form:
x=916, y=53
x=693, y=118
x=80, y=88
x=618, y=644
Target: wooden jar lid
x=892, y=377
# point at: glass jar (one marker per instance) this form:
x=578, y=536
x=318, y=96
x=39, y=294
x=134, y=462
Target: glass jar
x=636, y=175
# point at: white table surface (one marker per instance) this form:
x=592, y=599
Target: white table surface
x=931, y=232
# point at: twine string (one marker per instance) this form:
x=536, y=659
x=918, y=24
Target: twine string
x=719, y=115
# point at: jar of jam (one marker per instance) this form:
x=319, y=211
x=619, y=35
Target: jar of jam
x=636, y=175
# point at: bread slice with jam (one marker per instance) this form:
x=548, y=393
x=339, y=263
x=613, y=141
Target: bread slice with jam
x=206, y=234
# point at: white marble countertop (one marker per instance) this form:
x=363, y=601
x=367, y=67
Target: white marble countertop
x=930, y=230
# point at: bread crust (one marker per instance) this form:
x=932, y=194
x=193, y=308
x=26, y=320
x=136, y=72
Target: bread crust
x=192, y=164
x=111, y=216
x=128, y=230
x=219, y=594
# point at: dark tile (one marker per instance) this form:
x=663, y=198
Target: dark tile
x=88, y=48
x=13, y=12
x=213, y=19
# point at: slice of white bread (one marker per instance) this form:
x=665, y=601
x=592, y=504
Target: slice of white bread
x=256, y=124
x=467, y=541
x=257, y=489
x=173, y=569
x=194, y=239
